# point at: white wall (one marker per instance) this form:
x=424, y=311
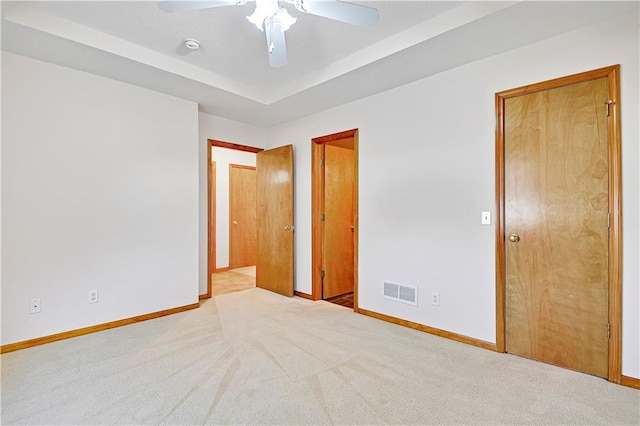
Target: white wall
x=426, y=171
x=211, y=127
x=0, y=183
x=99, y=191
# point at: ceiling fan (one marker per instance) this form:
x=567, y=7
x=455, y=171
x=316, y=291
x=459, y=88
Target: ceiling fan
x=274, y=19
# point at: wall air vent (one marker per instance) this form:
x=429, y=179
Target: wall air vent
x=391, y=290
x=401, y=293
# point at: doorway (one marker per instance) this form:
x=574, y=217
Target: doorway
x=233, y=246
x=558, y=248
x=272, y=212
x=335, y=217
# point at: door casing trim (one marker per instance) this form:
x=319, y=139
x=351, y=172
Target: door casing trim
x=316, y=210
x=612, y=74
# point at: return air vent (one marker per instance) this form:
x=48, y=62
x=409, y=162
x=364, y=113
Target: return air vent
x=401, y=293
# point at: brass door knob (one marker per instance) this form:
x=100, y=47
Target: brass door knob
x=514, y=238
x=235, y=223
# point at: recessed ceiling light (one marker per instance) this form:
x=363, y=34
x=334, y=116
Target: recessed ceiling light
x=192, y=44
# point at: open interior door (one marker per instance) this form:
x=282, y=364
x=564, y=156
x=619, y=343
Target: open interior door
x=274, y=269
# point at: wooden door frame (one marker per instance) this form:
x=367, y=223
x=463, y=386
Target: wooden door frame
x=211, y=205
x=612, y=74
x=317, y=203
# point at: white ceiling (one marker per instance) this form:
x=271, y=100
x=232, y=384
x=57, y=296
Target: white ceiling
x=330, y=63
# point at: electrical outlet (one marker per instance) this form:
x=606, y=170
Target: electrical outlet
x=486, y=218
x=435, y=299
x=93, y=296
x=34, y=308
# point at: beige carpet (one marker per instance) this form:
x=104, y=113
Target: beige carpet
x=259, y=358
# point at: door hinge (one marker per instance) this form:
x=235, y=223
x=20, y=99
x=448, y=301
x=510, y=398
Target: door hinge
x=322, y=274
x=322, y=159
x=608, y=330
x=608, y=105
x=322, y=217
x=608, y=220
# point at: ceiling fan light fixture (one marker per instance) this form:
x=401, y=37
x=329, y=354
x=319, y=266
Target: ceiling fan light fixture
x=264, y=9
x=286, y=20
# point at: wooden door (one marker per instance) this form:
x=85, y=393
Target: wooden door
x=243, y=234
x=347, y=139
x=274, y=269
x=556, y=205
x=338, y=232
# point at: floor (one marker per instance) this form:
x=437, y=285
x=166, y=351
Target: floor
x=255, y=357
x=345, y=300
x=240, y=279
x=233, y=280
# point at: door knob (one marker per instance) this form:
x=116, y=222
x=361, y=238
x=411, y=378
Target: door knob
x=514, y=238
x=235, y=223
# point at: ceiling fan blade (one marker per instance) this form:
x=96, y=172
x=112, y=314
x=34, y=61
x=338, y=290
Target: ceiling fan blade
x=180, y=6
x=345, y=12
x=276, y=45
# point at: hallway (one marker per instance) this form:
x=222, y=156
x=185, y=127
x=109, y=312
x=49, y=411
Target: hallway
x=233, y=280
